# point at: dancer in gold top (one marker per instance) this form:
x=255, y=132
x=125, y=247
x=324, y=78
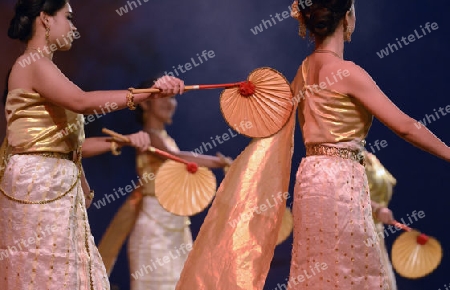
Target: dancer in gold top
x=332, y=207
x=45, y=237
x=159, y=241
x=159, y=235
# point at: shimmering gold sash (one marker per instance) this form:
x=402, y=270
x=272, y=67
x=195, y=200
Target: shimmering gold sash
x=119, y=229
x=236, y=242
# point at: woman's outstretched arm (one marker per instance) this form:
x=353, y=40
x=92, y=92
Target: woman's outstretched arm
x=201, y=160
x=362, y=87
x=45, y=78
x=99, y=145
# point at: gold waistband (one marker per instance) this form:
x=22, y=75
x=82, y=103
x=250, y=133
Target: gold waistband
x=68, y=156
x=345, y=153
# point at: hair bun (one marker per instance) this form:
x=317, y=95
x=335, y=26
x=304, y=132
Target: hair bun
x=20, y=27
x=323, y=16
x=26, y=11
x=321, y=21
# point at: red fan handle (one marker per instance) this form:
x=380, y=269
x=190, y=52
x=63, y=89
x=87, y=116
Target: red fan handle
x=246, y=88
x=422, y=239
x=191, y=166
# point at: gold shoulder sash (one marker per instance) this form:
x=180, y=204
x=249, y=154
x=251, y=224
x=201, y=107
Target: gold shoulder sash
x=119, y=230
x=236, y=242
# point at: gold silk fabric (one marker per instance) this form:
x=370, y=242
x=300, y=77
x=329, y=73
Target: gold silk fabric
x=381, y=181
x=153, y=233
x=37, y=125
x=236, y=242
x=45, y=236
x=327, y=116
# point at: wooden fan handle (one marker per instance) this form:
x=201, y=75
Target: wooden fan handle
x=167, y=155
x=153, y=90
x=189, y=88
x=116, y=136
x=191, y=167
x=422, y=239
x=401, y=226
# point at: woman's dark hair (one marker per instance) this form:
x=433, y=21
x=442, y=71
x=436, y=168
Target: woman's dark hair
x=139, y=111
x=26, y=11
x=323, y=16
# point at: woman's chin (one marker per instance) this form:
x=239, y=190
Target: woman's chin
x=65, y=47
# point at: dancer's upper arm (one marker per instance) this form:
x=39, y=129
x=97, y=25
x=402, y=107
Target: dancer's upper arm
x=53, y=85
x=363, y=88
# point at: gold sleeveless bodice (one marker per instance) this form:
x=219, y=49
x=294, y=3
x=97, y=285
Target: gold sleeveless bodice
x=37, y=125
x=327, y=116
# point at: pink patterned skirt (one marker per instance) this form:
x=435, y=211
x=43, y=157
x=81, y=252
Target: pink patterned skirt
x=332, y=219
x=45, y=237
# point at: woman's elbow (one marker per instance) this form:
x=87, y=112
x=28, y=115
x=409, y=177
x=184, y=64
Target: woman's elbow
x=407, y=127
x=80, y=105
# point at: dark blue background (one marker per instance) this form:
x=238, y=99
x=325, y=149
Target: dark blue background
x=116, y=52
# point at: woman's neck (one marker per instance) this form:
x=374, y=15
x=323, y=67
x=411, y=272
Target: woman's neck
x=153, y=125
x=36, y=46
x=333, y=43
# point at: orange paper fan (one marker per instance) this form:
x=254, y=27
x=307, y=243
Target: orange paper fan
x=287, y=225
x=415, y=255
x=261, y=110
x=181, y=187
x=184, y=193
x=257, y=108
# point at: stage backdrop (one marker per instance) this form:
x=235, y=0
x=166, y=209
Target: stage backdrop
x=123, y=42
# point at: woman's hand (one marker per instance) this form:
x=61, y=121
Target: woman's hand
x=225, y=162
x=88, y=197
x=169, y=86
x=384, y=215
x=139, y=140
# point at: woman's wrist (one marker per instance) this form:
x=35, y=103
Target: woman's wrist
x=90, y=195
x=116, y=149
x=376, y=208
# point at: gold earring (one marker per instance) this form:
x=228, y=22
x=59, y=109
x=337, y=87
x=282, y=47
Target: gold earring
x=47, y=34
x=348, y=34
